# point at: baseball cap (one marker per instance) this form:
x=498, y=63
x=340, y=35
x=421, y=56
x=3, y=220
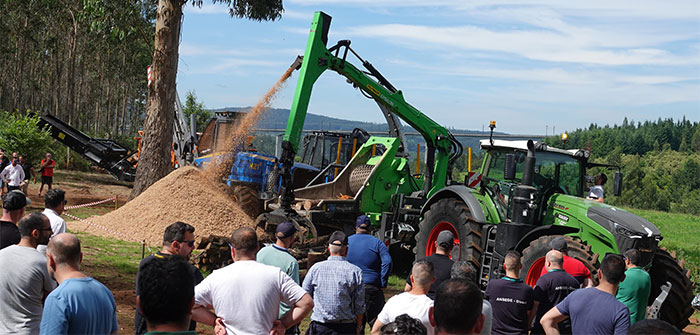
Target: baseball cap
x=15, y=200
x=286, y=229
x=558, y=244
x=445, y=238
x=338, y=238
x=362, y=222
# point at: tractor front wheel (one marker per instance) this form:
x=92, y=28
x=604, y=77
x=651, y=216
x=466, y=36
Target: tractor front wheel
x=247, y=199
x=453, y=215
x=676, y=309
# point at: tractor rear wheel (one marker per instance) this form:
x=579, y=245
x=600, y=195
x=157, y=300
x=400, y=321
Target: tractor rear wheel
x=676, y=309
x=533, y=257
x=247, y=199
x=453, y=215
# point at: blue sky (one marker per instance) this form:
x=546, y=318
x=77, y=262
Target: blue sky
x=530, y=65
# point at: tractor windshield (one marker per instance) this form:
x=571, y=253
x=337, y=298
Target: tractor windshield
x=553, y=171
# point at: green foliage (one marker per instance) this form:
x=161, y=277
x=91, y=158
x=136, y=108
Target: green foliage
x=256, y=10
x=202, y=116
x=19, y=133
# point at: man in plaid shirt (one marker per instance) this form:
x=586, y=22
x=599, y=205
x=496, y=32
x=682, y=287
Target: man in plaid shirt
x=337, y=289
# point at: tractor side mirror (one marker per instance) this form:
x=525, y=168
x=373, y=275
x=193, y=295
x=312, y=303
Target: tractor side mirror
x=509, y=168
x=617, y=184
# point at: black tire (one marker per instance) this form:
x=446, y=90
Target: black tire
x=676, y=309
x=533, y=257
x=454, y=215
x=247, y=199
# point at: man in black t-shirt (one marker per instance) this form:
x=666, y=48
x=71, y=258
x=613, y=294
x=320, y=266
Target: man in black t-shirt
x=551, y=289
x=442, y=264
x=511, y=299
x=12, y=210
x=178, y=241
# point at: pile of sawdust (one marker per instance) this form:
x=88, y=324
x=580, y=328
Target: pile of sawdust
x=184, y=195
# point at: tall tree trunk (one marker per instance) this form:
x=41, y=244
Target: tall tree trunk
x=154, y=163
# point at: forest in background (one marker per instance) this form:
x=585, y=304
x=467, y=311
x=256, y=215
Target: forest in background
x=659, y=160
x=83, y=61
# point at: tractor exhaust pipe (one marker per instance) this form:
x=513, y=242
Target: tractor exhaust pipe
x=524, y=204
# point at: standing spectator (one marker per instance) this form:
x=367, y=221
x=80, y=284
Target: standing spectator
x=4, y=162
x=465, y=270
x=404, y=325
x=12, y=210
x=551, y=289
x=13, y=174
x=278, y=255
x=54, y=204
x=246, y=295
x=415, y=303
x=594, y=310
x=596, y=192
x=80, y=304
x=337, y=290
x=441, y=261
x=28, y=173
x=457, y=308
x=635, y=289
x=572, y=265
x=372, y=256
x=178, y=241
x=511, y=299
x=166, y=308
x=24, y=278
x=46, y=170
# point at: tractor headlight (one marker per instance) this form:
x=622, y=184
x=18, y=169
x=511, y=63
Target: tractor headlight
x=624, y=231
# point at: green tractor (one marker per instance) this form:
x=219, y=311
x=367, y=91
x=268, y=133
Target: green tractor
x=528, y=194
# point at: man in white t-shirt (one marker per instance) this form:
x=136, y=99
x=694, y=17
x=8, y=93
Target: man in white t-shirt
x=596, y=191
x=54, y=204
x=246, y=295
x=415, y=302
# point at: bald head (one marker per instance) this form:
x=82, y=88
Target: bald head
x=555, y=259
x=65, y=249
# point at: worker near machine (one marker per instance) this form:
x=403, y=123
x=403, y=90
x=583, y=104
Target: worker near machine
x=80, y=304
x=278, y=255
x=571, y=265
x=246, y=295
x=594, y=310
x=635, y=289
x=13, y=174
x=441, y=261
x=551, y=289
x=12, y=211
x=596, y=191
x=178, y=240
x=54, y=204
x=457, y=308
x=337, y=290
x=372, y=256
x=415, y=303
x=511, y=299
x=46, y=170
x=28, y=174
x=466, y=270
x=166, y=308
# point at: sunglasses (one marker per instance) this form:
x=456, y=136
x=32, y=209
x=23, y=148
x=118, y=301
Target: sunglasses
x=189, y=243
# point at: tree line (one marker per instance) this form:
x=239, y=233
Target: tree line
x=83, y=61
x=659, y=160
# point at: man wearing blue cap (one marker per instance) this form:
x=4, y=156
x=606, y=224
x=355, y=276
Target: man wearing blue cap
x=372, y=256
x=278, y=255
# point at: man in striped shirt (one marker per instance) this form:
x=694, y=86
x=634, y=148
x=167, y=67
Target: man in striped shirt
x=337, y=289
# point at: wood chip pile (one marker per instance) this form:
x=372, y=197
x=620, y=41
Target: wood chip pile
x=184, y=195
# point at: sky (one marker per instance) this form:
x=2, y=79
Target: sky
x=534, y=67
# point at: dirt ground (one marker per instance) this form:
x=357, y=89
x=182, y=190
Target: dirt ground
x=90, y=187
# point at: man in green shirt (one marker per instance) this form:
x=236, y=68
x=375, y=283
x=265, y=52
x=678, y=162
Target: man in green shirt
x=634, y=290
x=278, y=255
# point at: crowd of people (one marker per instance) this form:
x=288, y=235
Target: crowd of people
x=16, y=172
x=261, y=292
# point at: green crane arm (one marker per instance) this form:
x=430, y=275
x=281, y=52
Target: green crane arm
x=442, y=147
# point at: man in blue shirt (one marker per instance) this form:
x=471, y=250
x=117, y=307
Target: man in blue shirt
x=594, y=310
x=80, y=304
x=372, y=256
x=337, y=290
